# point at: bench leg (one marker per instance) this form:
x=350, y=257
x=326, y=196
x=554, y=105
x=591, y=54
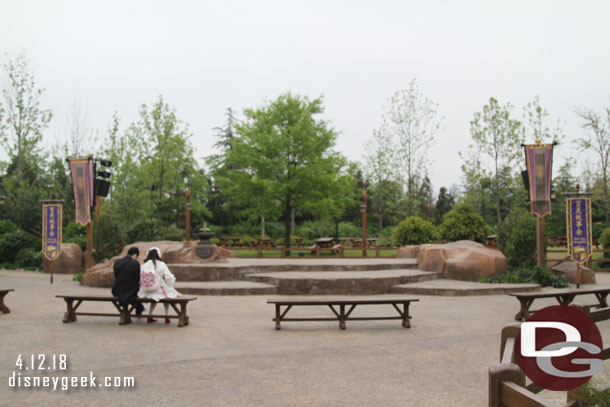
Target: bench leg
x=69, y=315
x=405, y=316
x=601, y=297
x=3, y=307
x=524, y=311
x=183, y=320
x=342, y=316
x=278, y=317
x=125, y=315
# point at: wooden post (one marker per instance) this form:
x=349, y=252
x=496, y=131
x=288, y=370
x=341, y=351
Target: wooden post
x=89, y=251
x=540, y=241
x=187, y=222
x=364, y=245
x=98, y=204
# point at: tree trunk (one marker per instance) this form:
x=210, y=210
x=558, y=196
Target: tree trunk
x=292, y=222
x=262, y=225
x=287, y=223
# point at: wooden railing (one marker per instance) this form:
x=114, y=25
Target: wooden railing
x=605, y=259
x=507, y=382
x=313, y=252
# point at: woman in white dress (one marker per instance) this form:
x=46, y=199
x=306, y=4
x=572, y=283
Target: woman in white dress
x=156, y=282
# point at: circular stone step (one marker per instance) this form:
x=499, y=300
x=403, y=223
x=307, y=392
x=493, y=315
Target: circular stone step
x=340, y=282
x=461, y=288
x=224, y=288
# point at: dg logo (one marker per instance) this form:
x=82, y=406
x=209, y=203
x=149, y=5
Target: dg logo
x=560, y=348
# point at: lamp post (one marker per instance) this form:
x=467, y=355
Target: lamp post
x=187, y=214
x=363, y=210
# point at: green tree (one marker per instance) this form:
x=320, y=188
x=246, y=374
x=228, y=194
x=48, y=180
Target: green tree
x=283, y=160
x=22, y=122
x=381, y=169
x=496, y=137
x=444, y=203
x=535, y=124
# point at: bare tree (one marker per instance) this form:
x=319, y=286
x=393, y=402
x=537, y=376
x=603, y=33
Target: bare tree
x=412, y=121
x=597, y=139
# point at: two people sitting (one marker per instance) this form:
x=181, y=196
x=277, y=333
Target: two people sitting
x=151, y=280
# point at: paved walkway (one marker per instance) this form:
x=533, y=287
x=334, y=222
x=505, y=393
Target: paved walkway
x=230, y=354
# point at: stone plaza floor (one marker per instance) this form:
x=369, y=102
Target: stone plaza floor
x=231, y=355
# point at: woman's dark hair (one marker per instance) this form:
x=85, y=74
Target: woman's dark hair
x=152, y=255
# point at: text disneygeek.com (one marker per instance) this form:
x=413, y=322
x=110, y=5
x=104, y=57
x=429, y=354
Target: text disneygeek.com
x=25, y=376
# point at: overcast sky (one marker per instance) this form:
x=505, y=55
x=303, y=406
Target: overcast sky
x=205, y=56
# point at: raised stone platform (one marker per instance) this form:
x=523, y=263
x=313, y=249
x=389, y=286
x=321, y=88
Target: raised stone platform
x=237, y=269
x=461, y=288
x=367, y=282
x=225, y=288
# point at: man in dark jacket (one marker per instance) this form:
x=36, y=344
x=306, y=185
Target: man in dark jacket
x=127, y=279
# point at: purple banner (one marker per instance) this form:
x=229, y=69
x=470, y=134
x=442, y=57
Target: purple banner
x=51, y=231
x=82, y=183
x=578, y=213
x=539, y=160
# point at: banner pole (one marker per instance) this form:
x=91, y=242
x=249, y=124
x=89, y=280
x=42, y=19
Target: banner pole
x=540, y=240
x=51, y=270
x=577, y=275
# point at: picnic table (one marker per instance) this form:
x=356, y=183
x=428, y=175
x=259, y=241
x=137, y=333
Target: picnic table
x=326, y=243
x=3, y=293
x=231, y=241
x=264, y=243
x=341, y=314
x=564, y=296
x=357, y=241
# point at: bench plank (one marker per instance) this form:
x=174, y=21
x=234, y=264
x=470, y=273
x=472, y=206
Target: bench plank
x=74, y=301
x=341, y=315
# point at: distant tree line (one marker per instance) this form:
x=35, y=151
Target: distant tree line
x=277, y=171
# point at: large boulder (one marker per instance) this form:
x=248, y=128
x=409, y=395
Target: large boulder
x=432, y=257
x=408, y=252
x=568, y=269
x=70, y=260
x=461, y=260
x=102, y=275
x=472, y=263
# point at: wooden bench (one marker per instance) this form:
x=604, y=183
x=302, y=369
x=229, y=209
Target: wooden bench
x=341, y=314
x=124, y=313
x=3, y=307
x=564, y=296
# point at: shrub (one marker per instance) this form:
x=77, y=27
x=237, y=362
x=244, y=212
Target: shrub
x=463, y=223
x=385, y=236
x=604, y=239
x=173, y=233
x=414, y=230
x=75, y=233
x=529, y=275
x=12, y=239
x=106, y=237
x=145, y=230
x=29, y=257
x=348, y=229
x=517, y=238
